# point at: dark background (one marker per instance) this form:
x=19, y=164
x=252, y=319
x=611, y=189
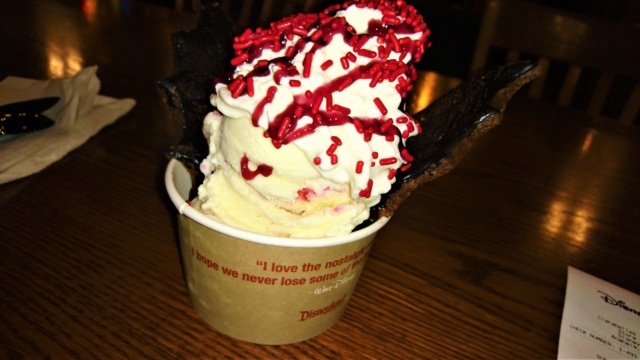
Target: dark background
x=454, y=24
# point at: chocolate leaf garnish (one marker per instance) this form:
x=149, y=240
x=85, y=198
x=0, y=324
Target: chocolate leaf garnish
x=200, y=56
x=450, y=126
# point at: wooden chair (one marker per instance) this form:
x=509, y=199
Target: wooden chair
x=607, y=51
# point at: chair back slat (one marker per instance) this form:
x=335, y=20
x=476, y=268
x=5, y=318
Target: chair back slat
x=630, y=110
x=603, y=86
x=569, y=86
x=537, y=85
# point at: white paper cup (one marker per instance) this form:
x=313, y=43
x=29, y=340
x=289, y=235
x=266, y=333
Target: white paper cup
x=265, y=289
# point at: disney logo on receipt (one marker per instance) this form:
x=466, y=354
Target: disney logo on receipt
x=611, y=300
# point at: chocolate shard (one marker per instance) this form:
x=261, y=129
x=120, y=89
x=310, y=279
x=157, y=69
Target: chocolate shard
x=451, y=124
x=200, y=56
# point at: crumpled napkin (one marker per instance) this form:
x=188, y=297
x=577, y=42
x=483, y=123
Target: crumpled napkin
x=79, y=114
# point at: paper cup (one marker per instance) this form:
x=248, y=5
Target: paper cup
x=265, y=289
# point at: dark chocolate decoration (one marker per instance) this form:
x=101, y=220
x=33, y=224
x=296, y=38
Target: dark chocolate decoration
x=200, y=56
x=451, y=124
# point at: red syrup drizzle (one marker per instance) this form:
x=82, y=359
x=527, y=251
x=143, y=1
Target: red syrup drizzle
x=322, y=117
x=250, y=46
x=262, y=169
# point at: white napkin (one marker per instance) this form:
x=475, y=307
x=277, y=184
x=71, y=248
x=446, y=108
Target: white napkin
x=79, y=114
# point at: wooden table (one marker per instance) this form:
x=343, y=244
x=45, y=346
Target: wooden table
x=472, y=266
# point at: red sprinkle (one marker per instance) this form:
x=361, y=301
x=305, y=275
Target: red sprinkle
x=334, y=159
x=341, y=109
x=284, y=126
x=358, y=125
x=299, y=31
x=336, y=140
x=289, y=51
x=234, y=84
x=417, y=20
x=283, y=24
x=239, y=59
x=365, y=193
x=278, y=75
x=245, y=34
x=242, y=45
x=316, y=35
x=306, y=63
x=351, y=57
x=344, y=62
x=238, y=90
x=332, y=149
x=367, y=53
x=374, y=154
x=391, y=20
x=368, y=133
x=317, y=160
x=345, y=83
x=271, y=93
x=352, y=40
x=359, y=166
x=404, y=40
x=360, y=42
x=374, y=69
x=380, y=106
x=402, y=55
x=376, y=79
x=315, y=107
x=394, y=41
x=294, y=83
x=392, y=174
x=405, y=155
x=388, y=161
x=329, y=103
x=386, y=125
x=250, y=88
x=381, y=53
x=326, y=20
x=410, y=127
x=325, y=65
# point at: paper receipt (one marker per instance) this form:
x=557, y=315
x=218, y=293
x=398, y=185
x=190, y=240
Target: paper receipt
x=600, y=320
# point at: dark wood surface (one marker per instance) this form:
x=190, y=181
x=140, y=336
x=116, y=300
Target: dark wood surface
x=473, y=265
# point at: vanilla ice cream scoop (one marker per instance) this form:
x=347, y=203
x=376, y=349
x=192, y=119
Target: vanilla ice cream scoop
x=310, y=132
